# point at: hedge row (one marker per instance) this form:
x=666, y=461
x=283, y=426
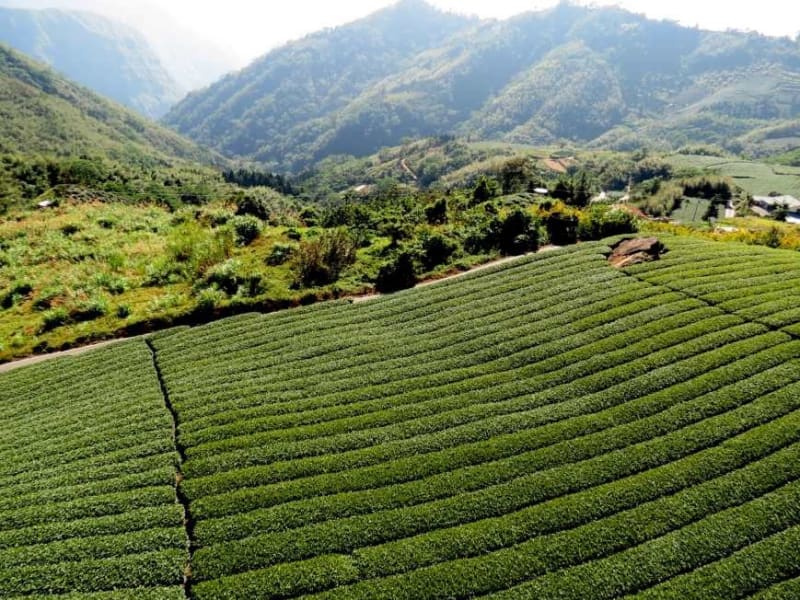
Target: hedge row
x=346, y=535
x=758, y=374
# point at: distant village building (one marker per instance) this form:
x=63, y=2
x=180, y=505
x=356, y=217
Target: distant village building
x=769, y=204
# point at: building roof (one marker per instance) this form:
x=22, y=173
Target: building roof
x=789, y=201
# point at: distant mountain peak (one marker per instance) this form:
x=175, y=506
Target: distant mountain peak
x=104, y=55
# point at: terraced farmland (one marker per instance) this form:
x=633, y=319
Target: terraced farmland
x=549, y=428
x=87, y=479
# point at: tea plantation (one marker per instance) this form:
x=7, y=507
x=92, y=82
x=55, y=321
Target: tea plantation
x=549, y=428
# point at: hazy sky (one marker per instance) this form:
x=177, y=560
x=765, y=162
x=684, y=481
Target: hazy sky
x=248, y=28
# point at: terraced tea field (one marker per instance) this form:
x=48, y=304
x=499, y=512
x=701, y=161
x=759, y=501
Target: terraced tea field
x=549, y=428
x=757, y=178
x=87, y=479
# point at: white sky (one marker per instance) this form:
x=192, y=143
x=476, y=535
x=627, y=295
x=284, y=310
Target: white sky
x=249, y=28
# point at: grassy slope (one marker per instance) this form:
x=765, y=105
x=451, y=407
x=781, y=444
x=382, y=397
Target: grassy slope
x=549, y=427
x=757, y=178
x=43, y=113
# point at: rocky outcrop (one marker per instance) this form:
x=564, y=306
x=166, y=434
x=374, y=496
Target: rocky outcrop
x=634, y=252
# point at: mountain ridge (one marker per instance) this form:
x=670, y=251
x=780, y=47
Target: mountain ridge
x=106, y=56
x=44, y=113
x=604, y=77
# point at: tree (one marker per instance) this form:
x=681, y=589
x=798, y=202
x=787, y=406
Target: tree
x=515, y=174
x=399, y=274
x=436, y=214
x=436, y=249
x=581, y=190
x=485, y=190
x=518, y=233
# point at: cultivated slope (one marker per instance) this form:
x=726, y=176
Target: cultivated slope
x=548, y=428
x=41, y=112
x=87, y=479
x=107, y=57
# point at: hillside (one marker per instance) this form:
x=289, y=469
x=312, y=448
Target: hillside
x=273, y=105
x=549, y=428
x=107, y=57
x=605, y=77
x=41, y=112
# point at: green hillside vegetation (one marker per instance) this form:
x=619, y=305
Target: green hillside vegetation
x=447, y=162
x=107, y=57
x=604, y=77
x=43, y=113
x=551, y=427
x=85, y=270
x=59, y=140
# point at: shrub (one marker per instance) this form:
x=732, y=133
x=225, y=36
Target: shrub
x=232, y=278
x=247, y=229
x=601, y=221
x=310, y=216
x=280, y=254
x=111, y=283
x=209, y=299
x=89, y=310
x=397, y=275
x=321, y=261
x=437, y=250
x=255, y=206
x=70, y=229
x=124, y=311
x=55, y=318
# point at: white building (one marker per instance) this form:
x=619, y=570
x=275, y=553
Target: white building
x=770, y=203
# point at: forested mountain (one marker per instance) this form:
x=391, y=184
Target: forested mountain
x=105, y=56
x=41, y=112
x=604, y=77
x=277, y=106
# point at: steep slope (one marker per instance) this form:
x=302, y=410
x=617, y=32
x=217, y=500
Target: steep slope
x=603, y=76
x=267, y=108
x=107, y=57
x=41, y=112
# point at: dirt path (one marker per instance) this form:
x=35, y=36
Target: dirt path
x=494, y=263
x=407, y=169
x=24, y=362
